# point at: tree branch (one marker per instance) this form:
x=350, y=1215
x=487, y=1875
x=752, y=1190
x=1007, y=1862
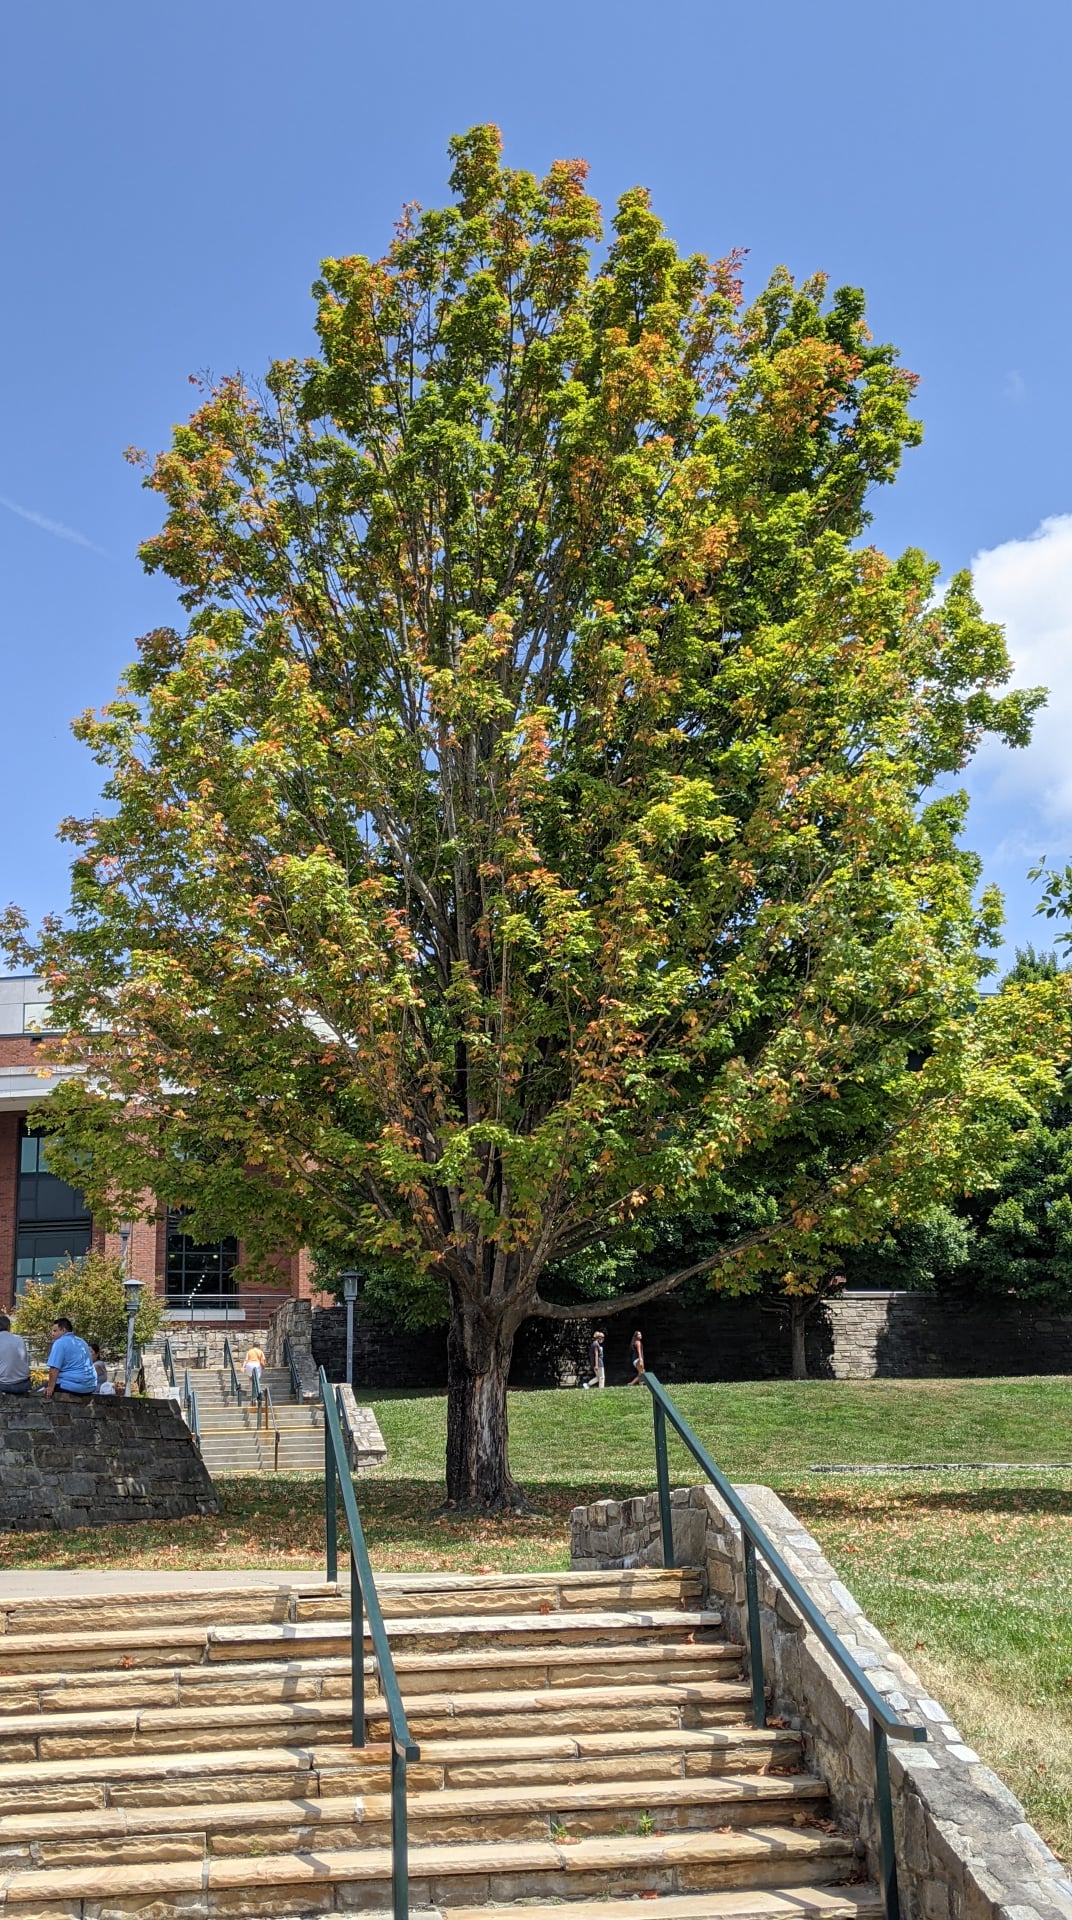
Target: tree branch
x=597, y=1309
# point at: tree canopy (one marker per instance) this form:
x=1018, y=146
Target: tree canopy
x=528, y=833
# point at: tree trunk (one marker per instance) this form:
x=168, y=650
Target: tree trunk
x=480, y=1343
x=798, y=1320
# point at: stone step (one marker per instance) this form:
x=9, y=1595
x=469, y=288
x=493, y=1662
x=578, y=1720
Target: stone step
x=241, y=1456
x=322, y=1769
x=399, y=1593
x=448, y=1875
x=456, y=1632
x=66, y=1690
x=107, y=1835
x=486, y=1594
x=231, y=1420
x=796, y=1903
x=56, y=1736
x=188, y=1643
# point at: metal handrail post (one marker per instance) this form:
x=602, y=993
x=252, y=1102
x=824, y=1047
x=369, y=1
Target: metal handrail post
x=169, y=1361
x=662, y=1481
x=357, y=1659
x=755, y=1637
x=236, y=1384
x=887, y=1846
x=331, y=1517
x=399, y=1837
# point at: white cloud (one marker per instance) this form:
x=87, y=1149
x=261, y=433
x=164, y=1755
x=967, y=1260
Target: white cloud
x=1027, y=585
x=55, y=527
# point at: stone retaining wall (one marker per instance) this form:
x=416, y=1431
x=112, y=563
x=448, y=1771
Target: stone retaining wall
x=69, y=1464
x=859, y=1336
x=293, y=1322
x=965, y=1850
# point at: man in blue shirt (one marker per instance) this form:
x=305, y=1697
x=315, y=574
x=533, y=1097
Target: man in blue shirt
x=71, y=1373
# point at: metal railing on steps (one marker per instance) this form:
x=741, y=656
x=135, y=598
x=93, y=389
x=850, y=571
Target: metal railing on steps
x=885, y=1723
x=264, y=1403
x=189, y=1407
x=295, y=1376
x=364, y=1603
x=169, y=1362
x=228, y=1361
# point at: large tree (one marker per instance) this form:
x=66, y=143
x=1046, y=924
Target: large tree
x=526, y=831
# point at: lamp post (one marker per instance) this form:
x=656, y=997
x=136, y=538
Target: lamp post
x=350, y=1281
x=132, y=1291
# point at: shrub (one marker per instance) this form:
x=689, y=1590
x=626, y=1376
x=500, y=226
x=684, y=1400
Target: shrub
x=88, y=1293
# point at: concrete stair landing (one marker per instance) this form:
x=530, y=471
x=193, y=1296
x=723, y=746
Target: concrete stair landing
x=585, y=1738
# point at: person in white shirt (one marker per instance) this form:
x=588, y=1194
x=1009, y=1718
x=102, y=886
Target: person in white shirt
x=14, y=1360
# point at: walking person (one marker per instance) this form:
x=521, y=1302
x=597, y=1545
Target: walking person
x=14, y=1360
x=636, y=1356
x=596, y=1361
x=253, y=1364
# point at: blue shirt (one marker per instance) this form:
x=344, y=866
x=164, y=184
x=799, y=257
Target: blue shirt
x=77, y=1374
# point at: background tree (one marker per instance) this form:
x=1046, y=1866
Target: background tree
x=89, y=1293
x=1012, y=1234
x=527, y=832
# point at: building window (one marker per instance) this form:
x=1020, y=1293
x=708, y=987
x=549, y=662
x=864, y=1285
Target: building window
x=54, y=1224
x=198, y=1267
x=38, y=1253
x=37, y=1017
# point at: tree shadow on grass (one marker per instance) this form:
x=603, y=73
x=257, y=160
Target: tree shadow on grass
x=846, y=1504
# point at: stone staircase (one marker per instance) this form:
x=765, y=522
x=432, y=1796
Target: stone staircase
x=233, y=1440
x=584, y=1737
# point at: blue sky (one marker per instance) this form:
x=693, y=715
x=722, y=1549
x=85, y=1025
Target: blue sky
x=173, y=174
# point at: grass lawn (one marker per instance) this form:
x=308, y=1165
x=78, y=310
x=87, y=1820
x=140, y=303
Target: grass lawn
x=969, y=1574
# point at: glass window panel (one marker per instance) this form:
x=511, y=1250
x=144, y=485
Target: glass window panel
x=43, y=1196
x=38, y=1254
x=37, y=1017
x=198, y=1267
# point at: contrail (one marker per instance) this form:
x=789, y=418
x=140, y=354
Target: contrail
x=50, y=526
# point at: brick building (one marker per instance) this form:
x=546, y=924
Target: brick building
x=44, y=1222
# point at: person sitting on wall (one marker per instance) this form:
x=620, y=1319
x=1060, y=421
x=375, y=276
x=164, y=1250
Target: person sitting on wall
x=104, y=1385
x=71, y=1373
x=14, y=1360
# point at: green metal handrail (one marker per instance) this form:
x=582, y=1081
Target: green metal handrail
x=364, y=1601
x=189, y=1407
x=169, y=1361
x=884, y=1722
x=295, y=1377
x=264, y=1399
x=236, y=1384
